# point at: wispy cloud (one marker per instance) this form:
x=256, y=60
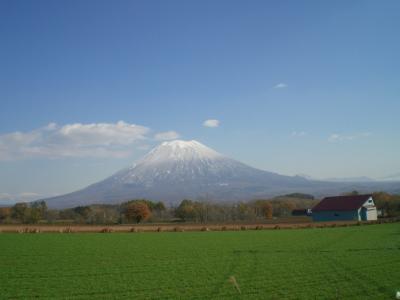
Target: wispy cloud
x=281, y=86
x=167, y=135
x=73, y=140
x=10, y=199
x=299, y=133
x=211, y=123
x=336, y=137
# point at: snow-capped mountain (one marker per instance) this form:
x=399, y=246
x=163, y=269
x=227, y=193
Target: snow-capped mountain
x=179, y=169
x=181, y=162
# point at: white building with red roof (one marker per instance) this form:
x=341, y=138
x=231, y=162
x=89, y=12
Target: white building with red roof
x=345, y=208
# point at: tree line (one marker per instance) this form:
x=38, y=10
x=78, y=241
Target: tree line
x=143, y=210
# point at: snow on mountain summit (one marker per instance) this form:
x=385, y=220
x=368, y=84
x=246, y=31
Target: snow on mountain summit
x=179, y=150
x=177, y=161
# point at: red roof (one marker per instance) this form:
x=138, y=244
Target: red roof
x=341, y=203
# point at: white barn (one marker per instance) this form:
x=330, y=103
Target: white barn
x=346, y=208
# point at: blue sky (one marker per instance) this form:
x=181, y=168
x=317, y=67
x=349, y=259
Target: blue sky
x=307, y=87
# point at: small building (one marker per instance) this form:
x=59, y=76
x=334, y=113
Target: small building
x=345, y=208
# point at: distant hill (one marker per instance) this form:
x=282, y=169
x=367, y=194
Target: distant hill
x=392, y=177
x=297, y=196
x=351, y=179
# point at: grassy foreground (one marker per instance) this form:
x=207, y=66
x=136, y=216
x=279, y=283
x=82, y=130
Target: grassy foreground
x=360, y=262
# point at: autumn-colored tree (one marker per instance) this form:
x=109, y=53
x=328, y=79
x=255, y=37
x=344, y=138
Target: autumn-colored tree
x=5, y=213
x=288, y=207
x=37, y=211
x=20, y=212
x=33, y=216
x=186, y=210
x=159, y=206
x=41, y=207
x=83, y=211
x=267, y=210
x=158, y=210
x=244, y=211
x=137, y=211
x=387, y=203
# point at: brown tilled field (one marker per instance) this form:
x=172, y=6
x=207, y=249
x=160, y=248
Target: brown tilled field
x=21, y=228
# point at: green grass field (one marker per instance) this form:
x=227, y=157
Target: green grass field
x=360, y=262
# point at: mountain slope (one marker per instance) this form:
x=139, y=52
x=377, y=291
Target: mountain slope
x=176, y=170
x=188, y=169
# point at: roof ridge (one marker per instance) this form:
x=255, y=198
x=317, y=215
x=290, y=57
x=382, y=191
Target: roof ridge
x=343, y=203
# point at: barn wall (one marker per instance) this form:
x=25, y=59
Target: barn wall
x=369, y=214
x=321, y=216
x=368, y=211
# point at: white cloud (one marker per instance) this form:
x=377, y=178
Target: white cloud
x=281, y=86
x=120, y=133
x=299, y=133
x=336, y=137
x=166, y=135
x=73, y=140
x=211, y=123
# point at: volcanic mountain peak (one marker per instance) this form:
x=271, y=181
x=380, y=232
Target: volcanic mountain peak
x=179, y=150
x=177, y=170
